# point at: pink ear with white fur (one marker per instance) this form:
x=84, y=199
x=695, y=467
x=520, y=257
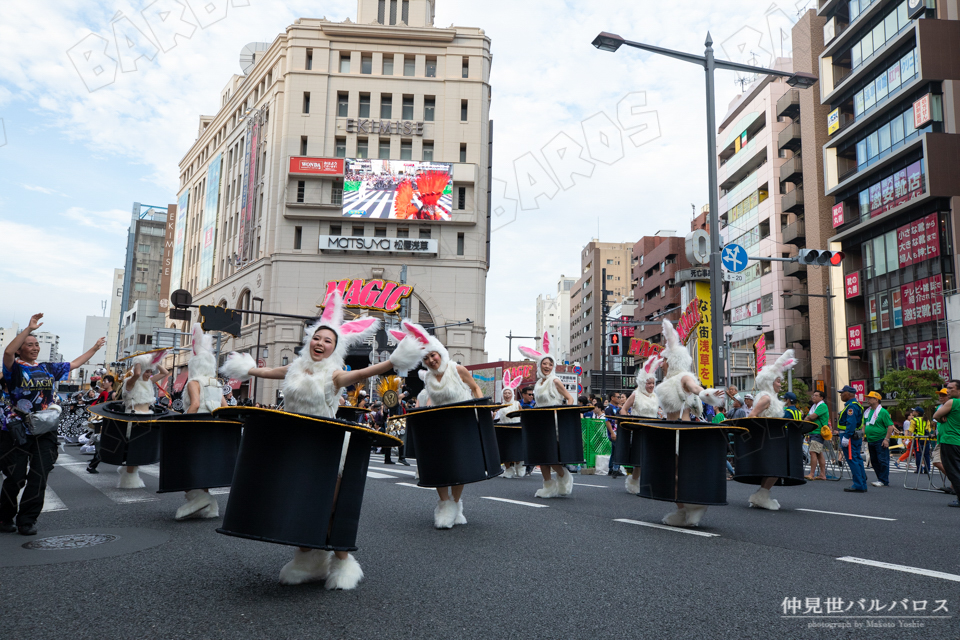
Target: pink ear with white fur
x=397, y=335
x=533, y=354
x=416, y=331
x=158, y=356
x=516, y=381
x=506, y=379
x=332, y=309
x=356, y=326
x=197, y=336
x=546, y=342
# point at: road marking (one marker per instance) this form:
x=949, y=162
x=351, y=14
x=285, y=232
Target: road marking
x=525, y=504
x=151, y=470
x=598, y=486
x=852, y=515
x=703, y=534
x=106, y=483
x=415, y=486
x=900, y=567
x=402, y=472
x=219, y=491
x=378, y=476
x=51, y=501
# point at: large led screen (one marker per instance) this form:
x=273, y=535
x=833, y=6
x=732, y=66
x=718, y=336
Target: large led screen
x=397, y=189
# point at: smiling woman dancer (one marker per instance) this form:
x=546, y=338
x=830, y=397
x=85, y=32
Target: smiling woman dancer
x=643, y=403
x=312, y=385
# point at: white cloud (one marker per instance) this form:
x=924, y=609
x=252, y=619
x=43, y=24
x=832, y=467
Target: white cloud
x=48, y=191
x=114, y=221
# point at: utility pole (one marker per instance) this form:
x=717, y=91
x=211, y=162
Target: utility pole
x=603, y=334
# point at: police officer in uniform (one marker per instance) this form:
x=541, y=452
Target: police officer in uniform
x=791, y=411
x=921, y=429
x=850, y=440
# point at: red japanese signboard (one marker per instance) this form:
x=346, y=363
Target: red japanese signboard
x=941, y=356
x=626, y=331
x=837, y=215
x=936, y=297
x=642, y=348
x=904, y=255
x=912, y=353
x=852, y=285
x=922, y=294
x=861, y=388
x=876, y=200
x=914, y=180
x=900, y=193
x=921, y=112
x=855, y=338
x=760, y=351
x=317, y=166
x=931, y=225
x=909, y=301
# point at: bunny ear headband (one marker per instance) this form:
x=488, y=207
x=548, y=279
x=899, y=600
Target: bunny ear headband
x=511, y=383
x=202, y=343
x=429, y=342
x=675, y=354
x=648, y=370
x=148, y=360
x=776, y=369
x=539, y=356
x=348, y=333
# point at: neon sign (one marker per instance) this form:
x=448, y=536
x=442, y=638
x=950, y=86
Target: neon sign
x=379, y=295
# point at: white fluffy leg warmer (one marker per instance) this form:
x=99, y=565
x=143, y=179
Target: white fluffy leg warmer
x=130, y=480
x=632, y=484
x=694, y=513
x=445, y=514
x=676, y=519
x=344, y=574
x=306, y=566
x=761, y=498
x=460, y=519
x=509, y=472
x=549, y=490
x=197, y=501
x=565, y=483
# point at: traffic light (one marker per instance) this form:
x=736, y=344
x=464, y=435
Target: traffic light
x=614, y=344
x=219, y=319
x=820, y=257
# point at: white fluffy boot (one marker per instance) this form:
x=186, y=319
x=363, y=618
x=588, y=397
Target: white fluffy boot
x=632, y=484
x=761, y=498
x=676, y=519
x=694, y=513
x=520, y=469
x=565, y=483
x=460, y=519
x=509, y=472
x=445, y=514
x=197, y=501
x=549, y=490
x=344, y=574
x=306, y=566
x=130, y=480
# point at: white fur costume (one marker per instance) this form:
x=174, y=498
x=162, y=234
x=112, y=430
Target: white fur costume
x=765, y=379
x=646, y=404
x=138, y=400
x=510, y=384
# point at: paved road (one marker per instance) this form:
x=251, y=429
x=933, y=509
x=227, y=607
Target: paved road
x=569, y=567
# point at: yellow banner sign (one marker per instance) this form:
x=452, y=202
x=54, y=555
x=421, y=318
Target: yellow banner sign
x=704, y=357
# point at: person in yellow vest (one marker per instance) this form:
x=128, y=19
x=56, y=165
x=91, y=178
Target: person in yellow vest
x=920, y=428
x=948, y=417
x=878, y=429
x=942, y=396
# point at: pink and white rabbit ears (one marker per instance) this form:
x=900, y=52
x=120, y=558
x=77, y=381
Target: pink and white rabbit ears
x=416, y=332
x=348, y=333
x=202, y=343
x=776, y=369
x=649, y=370
x=150, y=360
x=539, y=356
x=511, y=383
x=674, y=353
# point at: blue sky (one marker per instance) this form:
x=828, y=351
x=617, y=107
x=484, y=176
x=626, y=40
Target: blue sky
x=74, y=160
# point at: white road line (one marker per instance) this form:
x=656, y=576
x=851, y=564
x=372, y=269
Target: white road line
x=402, y=472
x=51, y=501
x=525, y=504
x=598, y=486
x=106, y=483
x=852, y=515
x=219, y=491
x=151, y=470
x=415, y=486
x=703, y=534
x=899, y=567
x=379, y=476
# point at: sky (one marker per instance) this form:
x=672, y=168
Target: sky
x=615, y=141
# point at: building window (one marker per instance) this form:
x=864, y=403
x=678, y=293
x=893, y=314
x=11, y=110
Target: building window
x=344, y=62
x=362, y=148
x=144, y=248
x=461, y=198
x=403, y=232
x=297, y=237
x=406, y=150
x=306, y=102
x=393, y=11
x=364, y=105
x=301, y=188
x=459, y=244
x=357, y=231
x=429, y=106
x=388, y=64
x=335, y=229
x=424, y=233
x=407, y=108
x=465, y=72
x=431, y=68
x=428, y=151
x=409, y=65
x=463, y=110
x=386, y=106
x=380, y=232
x=340, y=148
x=405, y=11
x=336, y=195
x=384, y=149
x=366, y=63
x=343, y=104
x=381, y=11
x=303, y=145
x=140, y=287
x=309, y=63
x=463, y=152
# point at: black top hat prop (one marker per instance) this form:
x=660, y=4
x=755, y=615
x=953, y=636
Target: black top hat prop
x=769, y=448
x=197, y=451
x=551, y=435
x=351, y=413
x=628, y=447
x=455, y=443
x=681, y=461
x=287, y=486
x=510, y=442
x=131, y=439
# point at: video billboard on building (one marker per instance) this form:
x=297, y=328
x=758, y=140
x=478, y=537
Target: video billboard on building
x=397, y=189
x=177, y=268
x=208, y=228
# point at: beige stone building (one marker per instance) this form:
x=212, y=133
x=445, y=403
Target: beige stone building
x=277, y=201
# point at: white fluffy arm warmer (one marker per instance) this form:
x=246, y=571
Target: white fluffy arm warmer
x=406, y=356
x=238, y=365
x=713, y=397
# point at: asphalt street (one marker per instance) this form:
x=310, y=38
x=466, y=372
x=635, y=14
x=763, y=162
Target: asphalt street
x=571, y=567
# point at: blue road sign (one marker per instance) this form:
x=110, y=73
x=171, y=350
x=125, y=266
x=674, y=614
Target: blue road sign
x=734, y=258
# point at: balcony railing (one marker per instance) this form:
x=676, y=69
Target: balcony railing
x=795, y=270
x=791, y=170
x=793, y=201
x=789, y=104
x=798, y=332
x=789, y=138
x=795, y=233
x=798, y=301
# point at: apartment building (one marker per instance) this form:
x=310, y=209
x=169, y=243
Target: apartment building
x=655, y=261
x=553, y=315
x=586, y=335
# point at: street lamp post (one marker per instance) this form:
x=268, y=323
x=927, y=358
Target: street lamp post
x=611, y=42
x=832, y=358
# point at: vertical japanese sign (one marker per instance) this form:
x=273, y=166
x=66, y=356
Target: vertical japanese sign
x=837, y=215
x=247, y=202
x=921, y=112
x=861, y=388
x=912, y=353
x=760, y=352
x=908, y=299
x=931, y=230
x=704, y=358
x=181, y=230
x=852, y=285
x=208, y=226
x=855, y=338
x=904, y=254
x=936, y=298
x=626, y=331
x=166, y=266
x=942, y=355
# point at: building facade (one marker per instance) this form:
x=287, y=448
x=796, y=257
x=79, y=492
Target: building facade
x=140, y=324
x=49, y=347
x=888, y=75
x=94, y=328
x=114, y=326
x=7, y=334
x=586, y=333
x=656, y=260
x=308, y=178
x=553, y=316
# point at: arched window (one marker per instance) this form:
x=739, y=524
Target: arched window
x=244, y=303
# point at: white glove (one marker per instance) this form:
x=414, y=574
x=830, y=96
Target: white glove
x=713, y=397
x=844, y=442
x=407, y=355
x=238, y=365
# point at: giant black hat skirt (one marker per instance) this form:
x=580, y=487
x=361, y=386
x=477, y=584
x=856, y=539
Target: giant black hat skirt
x=551, y=435
x=628, y=447
x=769, y=448
x=510, y=442
x=681, y=461
x=454, y=443
x=351, y=413
x=285, y=483
x=197, y=451
x=131, y=439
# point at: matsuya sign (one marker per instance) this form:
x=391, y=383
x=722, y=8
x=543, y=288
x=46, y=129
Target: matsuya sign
x=380, y=295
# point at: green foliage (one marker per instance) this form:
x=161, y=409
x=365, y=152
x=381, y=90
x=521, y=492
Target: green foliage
x=909, y=388
x=802, y=391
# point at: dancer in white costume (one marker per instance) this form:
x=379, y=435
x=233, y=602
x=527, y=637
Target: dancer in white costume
x=139, y=392
x=643, y=403
x=766, y=404
x=202, y=394
x=681, y=396
x=444, y=384
x=512, y=468
x=312, y=385
x=550, y=392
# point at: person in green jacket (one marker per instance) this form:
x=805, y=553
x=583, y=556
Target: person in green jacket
x=948, y=419
x=878, y=429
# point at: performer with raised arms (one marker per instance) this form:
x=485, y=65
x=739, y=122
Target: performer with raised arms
x=139, y=393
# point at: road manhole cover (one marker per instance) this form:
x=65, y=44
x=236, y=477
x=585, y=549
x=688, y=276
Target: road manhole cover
x=75, y=541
